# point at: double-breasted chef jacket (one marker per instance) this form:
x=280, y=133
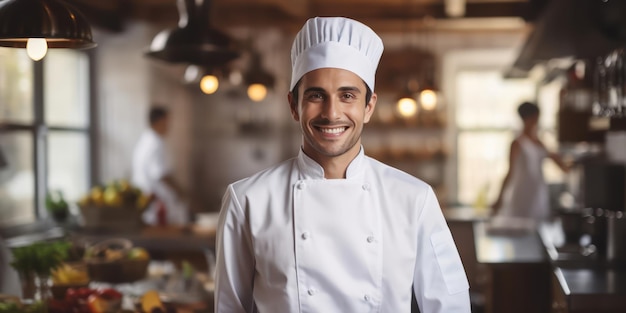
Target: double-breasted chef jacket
x=290, y=240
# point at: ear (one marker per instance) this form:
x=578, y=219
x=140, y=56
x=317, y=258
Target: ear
x=293, y=106
x=369, y=108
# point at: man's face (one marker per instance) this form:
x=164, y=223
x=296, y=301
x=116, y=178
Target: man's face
x=532, y=121
x=331, y=110
x=162, y=126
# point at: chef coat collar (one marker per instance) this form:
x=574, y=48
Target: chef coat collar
x=310, y=169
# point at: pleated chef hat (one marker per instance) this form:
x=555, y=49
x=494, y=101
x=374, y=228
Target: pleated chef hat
x=336, y=42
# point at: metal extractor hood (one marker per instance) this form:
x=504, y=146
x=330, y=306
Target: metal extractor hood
x=194, y=41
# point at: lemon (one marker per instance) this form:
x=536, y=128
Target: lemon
x=151, y=300
x=96, y=195
x=112, y=197
x=138, y=253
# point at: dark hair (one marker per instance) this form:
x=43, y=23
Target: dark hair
x=527, y=109
x=368, y=92
x=156, y=114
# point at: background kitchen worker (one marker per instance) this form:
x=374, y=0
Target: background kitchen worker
x=333, y=230
x=152, y=172
x=524, y=192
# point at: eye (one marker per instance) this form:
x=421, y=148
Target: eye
x=348, y=96
x=314, y=96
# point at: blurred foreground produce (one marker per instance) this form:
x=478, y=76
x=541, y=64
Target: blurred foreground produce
x=87, y=300
x=151, y=302
x=56, y=205
x=17, y=307
x=116, y=261
x=116, y=194
x=67, y=274
x=117, y=205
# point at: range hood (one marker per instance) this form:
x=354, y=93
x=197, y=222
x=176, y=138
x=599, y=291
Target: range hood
x=580, y=29
x=194, y=41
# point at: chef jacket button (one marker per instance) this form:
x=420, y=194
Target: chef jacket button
x=366, y=187
x=367, y=297
x=300, y=185
x=311, y=291
x=370, y=239
x=305, y=235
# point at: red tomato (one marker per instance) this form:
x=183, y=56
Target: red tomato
x=109, y=294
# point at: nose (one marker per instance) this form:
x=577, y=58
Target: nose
x=331, y=109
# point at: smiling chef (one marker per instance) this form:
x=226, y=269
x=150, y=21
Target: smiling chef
x=333, y=230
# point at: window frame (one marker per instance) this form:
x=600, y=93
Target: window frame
x=39, y=131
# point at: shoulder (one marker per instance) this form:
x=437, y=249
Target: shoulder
x=265, y=179
x=396, y=179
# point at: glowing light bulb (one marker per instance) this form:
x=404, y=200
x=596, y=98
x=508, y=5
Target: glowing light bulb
x=257, y=92
x=36, y=48
x=407, y=107
x=428, y=99
x=209, y=84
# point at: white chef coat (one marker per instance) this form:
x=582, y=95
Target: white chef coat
x=291, y=241
x=150, y=165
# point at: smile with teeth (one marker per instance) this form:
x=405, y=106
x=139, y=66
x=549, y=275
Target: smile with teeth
x=336, y=130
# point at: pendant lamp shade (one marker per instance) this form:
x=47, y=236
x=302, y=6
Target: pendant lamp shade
x=62, y=25
x=193, y=41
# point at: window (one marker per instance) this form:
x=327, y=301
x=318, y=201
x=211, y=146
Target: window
x=44, y=131
x=487, y=122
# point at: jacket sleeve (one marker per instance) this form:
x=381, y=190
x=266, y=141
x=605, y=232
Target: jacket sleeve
x=234, y=277
x=439, y=283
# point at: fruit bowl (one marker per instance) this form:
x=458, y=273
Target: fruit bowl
x=118, y=271
x=59, y=290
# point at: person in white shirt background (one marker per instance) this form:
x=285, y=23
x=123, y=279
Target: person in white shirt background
x=524, y=194
x=152, y=171
x=333, y=230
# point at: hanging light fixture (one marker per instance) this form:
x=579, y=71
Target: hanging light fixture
x=207, y=79
x=258, y=79
x=194, y=41
x=428, y=99
x=429, y=95
x=406, y=104
x=41, y=24
x=209, y=84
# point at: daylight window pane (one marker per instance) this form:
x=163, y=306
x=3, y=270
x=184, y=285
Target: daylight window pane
x=16, y=86
x=17, y=178
x=483, y=161
x=487, y=100
x=68, y=165
x=66, y=85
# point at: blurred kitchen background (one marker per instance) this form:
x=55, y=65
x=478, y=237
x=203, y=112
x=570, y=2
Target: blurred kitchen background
x=451, y=77
x=70, y=121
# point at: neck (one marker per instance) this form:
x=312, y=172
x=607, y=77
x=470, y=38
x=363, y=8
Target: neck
x=335, y=167
x=529, y=132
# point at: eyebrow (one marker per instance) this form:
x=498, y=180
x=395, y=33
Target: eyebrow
x=342, y=89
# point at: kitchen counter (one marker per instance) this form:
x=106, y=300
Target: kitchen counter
x=582, y=283
x=498, y=247
x=516, y=275
x=521, y=265
x=169, y=238
x=598, y=290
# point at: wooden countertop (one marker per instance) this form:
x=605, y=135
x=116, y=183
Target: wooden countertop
x=507, y=248
x=151, y=237
x=169, y=238
x=593, y=289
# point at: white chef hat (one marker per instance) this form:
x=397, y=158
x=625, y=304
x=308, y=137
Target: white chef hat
x=336, y=42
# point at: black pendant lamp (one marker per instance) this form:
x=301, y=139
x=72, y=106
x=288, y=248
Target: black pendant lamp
x=258, y=79
x=193, y=41
x=59, y=23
